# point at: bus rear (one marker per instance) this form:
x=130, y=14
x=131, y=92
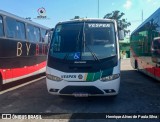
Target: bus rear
x=83, y=58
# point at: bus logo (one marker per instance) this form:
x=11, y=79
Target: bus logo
x=80, y=76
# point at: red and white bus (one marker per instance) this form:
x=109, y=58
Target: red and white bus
x=23, y=48
x=145, y=46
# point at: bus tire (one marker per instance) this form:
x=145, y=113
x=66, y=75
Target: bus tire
x=111, y=97
x=136, y=65
x=66, y=97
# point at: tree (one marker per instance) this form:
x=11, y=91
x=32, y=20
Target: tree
x=76, y=17
x=122, y=23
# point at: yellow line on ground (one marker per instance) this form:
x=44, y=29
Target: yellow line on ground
x=21, y=85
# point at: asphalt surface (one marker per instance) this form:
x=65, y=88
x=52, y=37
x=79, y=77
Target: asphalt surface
x=138, y=94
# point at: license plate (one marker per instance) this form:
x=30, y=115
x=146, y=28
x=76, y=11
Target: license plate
x=80, y=94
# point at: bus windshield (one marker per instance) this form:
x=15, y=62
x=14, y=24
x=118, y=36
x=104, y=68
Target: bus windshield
x=83, y=41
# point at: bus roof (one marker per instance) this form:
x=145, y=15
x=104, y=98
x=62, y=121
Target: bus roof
x=157, y=12
x=4, y=13
x=87, y=20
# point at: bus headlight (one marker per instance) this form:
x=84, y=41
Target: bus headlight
x=52, y=77
x=111, y=77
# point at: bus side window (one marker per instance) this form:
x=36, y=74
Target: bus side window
x=155, y=48
x=1, y=27
x=11, y=27
x=156, y=44
x=20, y=31
x=37, y=34
x=30, y=33
x=43, y=34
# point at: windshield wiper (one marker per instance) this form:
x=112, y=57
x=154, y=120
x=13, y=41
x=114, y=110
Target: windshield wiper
x=85, y=45
x=93, y=54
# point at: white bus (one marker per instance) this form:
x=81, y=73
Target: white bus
x=83, y=58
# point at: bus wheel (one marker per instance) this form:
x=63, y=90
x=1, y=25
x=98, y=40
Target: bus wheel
x=136, y=65
x=65, y=97
x=114, y=96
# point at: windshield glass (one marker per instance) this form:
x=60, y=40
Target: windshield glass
x=83, y=41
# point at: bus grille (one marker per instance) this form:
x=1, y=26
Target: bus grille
x=81, y=89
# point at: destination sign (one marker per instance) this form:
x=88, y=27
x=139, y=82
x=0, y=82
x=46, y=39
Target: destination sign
x=98, y=25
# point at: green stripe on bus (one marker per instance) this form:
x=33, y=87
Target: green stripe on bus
x=90, y=77
x=97, y=76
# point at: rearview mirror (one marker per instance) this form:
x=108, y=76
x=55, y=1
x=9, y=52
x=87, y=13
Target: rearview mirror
x=121, y=34
x=46, y=38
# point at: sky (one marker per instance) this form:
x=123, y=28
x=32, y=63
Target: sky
x=62, y=10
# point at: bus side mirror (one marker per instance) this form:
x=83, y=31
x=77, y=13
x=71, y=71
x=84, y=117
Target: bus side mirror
x=121, y=34
x=46, y=38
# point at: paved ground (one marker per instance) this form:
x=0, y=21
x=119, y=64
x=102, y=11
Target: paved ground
x=138, y=94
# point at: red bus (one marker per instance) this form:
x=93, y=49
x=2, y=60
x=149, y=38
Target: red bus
x=23, y=48
x=145, y=46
